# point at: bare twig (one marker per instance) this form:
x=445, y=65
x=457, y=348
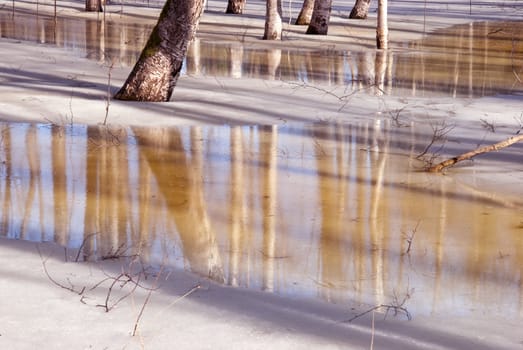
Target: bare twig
x=83, y=244
x=147, y=298
x=396, y=306
x=409, y=238
x=489, y=126
x=70, y=288
x=342, y=98
x=124, y=278
x=439, y=134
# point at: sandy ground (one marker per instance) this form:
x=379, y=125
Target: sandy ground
x=40, y=313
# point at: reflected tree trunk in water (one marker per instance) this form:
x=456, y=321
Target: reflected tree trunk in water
x=377, y=217
x=273, y=63
x=471, y=60
x=268, y=175
x=304, y=18
x=380, y=66
x=91, y=225
x=319, y=23
x=440, y=243
x=33, y=160
x=457, y=69
x=145, y=214
x=238, y=209
x=235, y=6
x=154, y=76
x=94, y=40
x=193, y=62
x=331, y=162
x=61, y=208
x=106, y=209
x=273, y=21
x=6, y=170
x=179, y=178
x=365, y=69
x=237, y=61
x=360, y=9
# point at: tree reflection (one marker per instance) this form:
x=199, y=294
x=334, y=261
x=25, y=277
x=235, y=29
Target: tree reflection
x=322, y=209
x=180, y=180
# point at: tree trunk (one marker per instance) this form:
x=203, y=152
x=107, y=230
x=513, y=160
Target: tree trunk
x=304, y=18
x=235, y=7
x=94, y=5
x=320, y=17
x=273, y=22
x=382, y=30
x=154, y=76
x=360, y=9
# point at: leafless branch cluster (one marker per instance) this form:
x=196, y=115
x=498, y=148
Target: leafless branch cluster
x=439, y=135
x=489, y=126
x=345, y=98
x=115, y=287
x=396, y=307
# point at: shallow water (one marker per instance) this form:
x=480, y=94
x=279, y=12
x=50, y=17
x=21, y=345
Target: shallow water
x=472, y=60
x=324, y=211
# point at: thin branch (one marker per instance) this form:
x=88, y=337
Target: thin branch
x=439, y=133
x=410, y=238
x=69, y=288
x=83, y=244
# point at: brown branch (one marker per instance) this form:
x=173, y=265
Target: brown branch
x=70, y=288
x=495, y=147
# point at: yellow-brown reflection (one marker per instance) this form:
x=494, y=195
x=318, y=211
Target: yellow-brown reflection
x=477, y=59
x=106, y=217
x=96, y=39
x=312, y=210
x=268, y=191
x=178, y=173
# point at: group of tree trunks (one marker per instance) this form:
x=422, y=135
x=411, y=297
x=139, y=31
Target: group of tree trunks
x=155, y=74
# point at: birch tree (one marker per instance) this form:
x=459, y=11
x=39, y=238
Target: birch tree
x=382, y=29
x=304, y=18
x=320, y=17
x=94, y=5
x=360, y=9
x=273, y=21
x=235, y=6
x=154, y=76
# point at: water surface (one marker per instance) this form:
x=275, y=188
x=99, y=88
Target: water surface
x=319, y=211
x=471, y=60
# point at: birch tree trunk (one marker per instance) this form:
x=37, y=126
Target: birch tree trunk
x=304, y=18
x=235, y=7
x=94, y=5
x=360, y=9
x=382, y=30
x=273, y=21
x=320, y=17
x=154, y=76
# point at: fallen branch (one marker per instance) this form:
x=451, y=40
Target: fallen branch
x=495, y=147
